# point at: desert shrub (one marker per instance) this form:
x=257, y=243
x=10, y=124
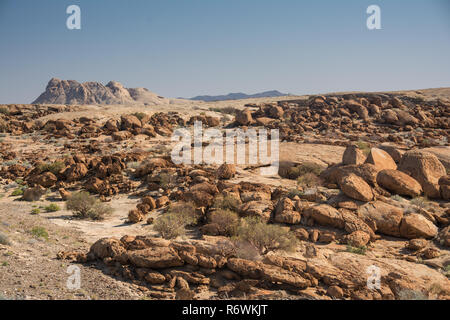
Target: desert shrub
x=421, y=202
x=309, y=180
x=226, y=110
x=357, y=250
x=303, y=169
x=227, y=220
x=52, y=208
x=4, y=239
x=447, y=271
x=408, y=294
x=54, y=167
x=35, y=211
x=294, y=192
x=4, y=110
x=166, y=180
x=364, y=147
x=17, y=192
x=39, y=232
x=226, y=202
x=265, y=237
x=170, y=225
x=3, y=125
x=133, y=164
x=398, y=198
x=83, y=205
x=139, y=115
x=173, y=223
x=186, y=209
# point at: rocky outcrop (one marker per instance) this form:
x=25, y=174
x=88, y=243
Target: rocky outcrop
x=399, y=182
x=75, y=93
x=425, y=168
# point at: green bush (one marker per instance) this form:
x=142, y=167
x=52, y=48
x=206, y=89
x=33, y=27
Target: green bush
x=52, y=208
x=265, y=237
x=54, y=167
x=364, y=147
x=35, y=211
x=226, y=110
x=309, y=180
x=139, y=115
x=83, y=205
x=303, y=169
x=17, y=192
x=4, y=239
x=358, y=250
x=421, y=202
x=4, y=110
x=39, y=232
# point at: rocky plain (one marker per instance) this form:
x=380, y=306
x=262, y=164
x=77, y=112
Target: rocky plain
x=359, y=208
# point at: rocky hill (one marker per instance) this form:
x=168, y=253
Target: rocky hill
x=72, y=92
x=240, y=95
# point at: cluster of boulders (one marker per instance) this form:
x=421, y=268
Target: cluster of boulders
x=184, y=269
x=102, y=175
x=383, y=117
x=19, y=119
x=362, y=177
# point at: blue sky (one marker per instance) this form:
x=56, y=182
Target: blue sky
x=183, y=48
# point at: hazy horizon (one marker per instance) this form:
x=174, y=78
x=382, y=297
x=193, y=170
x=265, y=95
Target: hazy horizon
x=198, y=47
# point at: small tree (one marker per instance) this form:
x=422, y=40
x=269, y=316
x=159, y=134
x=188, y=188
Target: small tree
x=173, y=223
x=226, y=220
x=265, y=237
x=83, y=205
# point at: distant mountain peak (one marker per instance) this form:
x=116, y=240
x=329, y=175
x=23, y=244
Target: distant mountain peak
x=240, y=95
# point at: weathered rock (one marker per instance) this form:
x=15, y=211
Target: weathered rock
x=65, y=195
x=226, y=171
x=425, y=168
x=260, y=209
x=417, y=244
x=135, y=216
x=245, y=268
x=121, y=135
x=33, y=194
x=107, y=248
x=399, y=182
x=353, y=155
x=46, y=179
x=444, y=187
x=130, y=122
x=155, y=258
x=244, y=117
x=75, y=172
x=357, y=238
x=325, y=215
x=356, y=188
x=386, y=218
x=284, y=212
x=417, y=226
x=381, y=159
x=395, y=153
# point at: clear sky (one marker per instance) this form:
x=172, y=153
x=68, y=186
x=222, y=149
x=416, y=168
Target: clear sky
x=184, y=48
